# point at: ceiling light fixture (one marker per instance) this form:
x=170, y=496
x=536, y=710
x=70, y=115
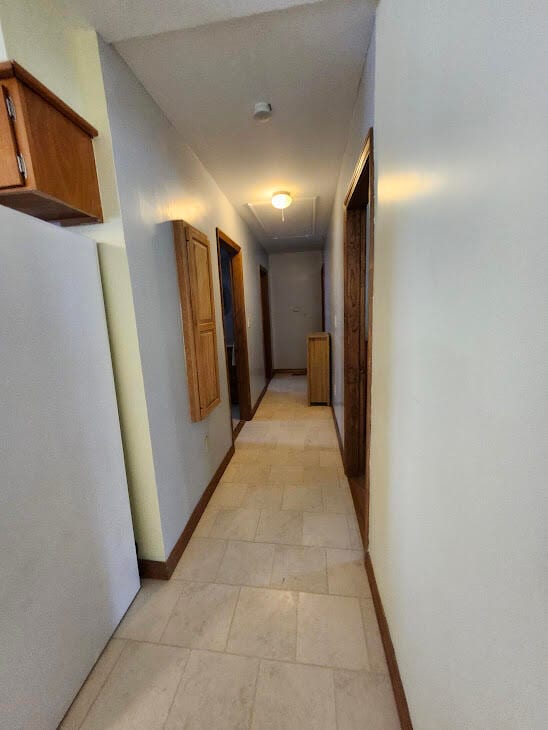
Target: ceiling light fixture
x=281, y=200
x=262, y=111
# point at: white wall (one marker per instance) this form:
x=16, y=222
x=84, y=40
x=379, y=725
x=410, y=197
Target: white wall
x=160, y=179
x=68, y=570
x=295, y=305
x=459, y=410
x=49, y=39
x=362, y=121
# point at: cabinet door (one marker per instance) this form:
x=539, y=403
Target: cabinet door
x=193, y=254
x=10, y=175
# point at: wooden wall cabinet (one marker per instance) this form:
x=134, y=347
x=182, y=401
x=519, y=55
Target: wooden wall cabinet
x=47, y=165
x=193, y=254
x=318, y=369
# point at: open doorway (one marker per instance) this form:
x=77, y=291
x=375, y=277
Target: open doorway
x=265, y=311
x=234, y=327
x=358, y=302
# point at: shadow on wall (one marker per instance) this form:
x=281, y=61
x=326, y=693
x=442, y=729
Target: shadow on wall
x=383, y=293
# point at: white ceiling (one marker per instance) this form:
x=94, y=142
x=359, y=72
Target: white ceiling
x=305, y=60
x=117, y=20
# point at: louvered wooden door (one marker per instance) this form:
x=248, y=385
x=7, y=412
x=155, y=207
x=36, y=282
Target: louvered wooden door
x=198, y=314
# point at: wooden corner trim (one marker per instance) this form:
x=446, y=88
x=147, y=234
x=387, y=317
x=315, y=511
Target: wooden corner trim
x=163, y=570
x=392, y=662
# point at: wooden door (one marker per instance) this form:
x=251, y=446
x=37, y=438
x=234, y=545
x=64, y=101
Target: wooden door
x=267, y=337
x=198, y=313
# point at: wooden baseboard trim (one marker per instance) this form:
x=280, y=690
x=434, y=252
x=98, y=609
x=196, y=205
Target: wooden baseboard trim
x=163, y=570
x=238, y=428
x=392, y=662
x=289, y=371
x=259, y=399
x=339, y=439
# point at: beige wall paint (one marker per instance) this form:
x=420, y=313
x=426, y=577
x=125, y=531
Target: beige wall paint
x=362, y=121
x=48, y=39
x=295, y=305
x=161, y=179
x=459, y=406
x=130, y=391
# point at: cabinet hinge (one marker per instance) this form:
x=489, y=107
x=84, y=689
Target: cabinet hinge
x=11, y=108
x=21, y=165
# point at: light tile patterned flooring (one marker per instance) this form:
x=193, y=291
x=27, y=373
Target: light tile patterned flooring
x=267, y=622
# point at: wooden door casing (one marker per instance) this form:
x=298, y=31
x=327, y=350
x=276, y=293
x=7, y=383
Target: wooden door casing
x=359, y=248
x=240, y=321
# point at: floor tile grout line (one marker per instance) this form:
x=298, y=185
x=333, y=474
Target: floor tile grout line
x=262, y=658
x=271, y=564
x=297, y=625
x=323, y=550
x=183, y=672
x=236, y=602
x=221, y=561
x=286, y=544
x=252, y=713
x=171, y=612
x=335, y=700
x=81, y=724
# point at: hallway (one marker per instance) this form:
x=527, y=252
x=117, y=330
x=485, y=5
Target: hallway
x=268, y=620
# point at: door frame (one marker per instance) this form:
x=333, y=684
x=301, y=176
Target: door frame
x=358, y=211
x=240, y=321
x=267, y=331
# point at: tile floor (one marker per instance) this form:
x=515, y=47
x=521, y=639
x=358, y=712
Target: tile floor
x=267, y=622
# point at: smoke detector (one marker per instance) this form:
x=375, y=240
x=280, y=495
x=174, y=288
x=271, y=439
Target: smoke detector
x=262, y=111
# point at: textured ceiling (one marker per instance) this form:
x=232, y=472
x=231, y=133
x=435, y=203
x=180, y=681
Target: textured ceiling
x=305, y=60
x=120, y=19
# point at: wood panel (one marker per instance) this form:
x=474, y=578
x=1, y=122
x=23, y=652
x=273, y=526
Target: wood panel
x=62, y=156
x=193, y=258
x=319, y=381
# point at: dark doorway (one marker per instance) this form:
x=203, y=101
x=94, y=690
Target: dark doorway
x=267, y=337
x=234, y=328
x=358, y=302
